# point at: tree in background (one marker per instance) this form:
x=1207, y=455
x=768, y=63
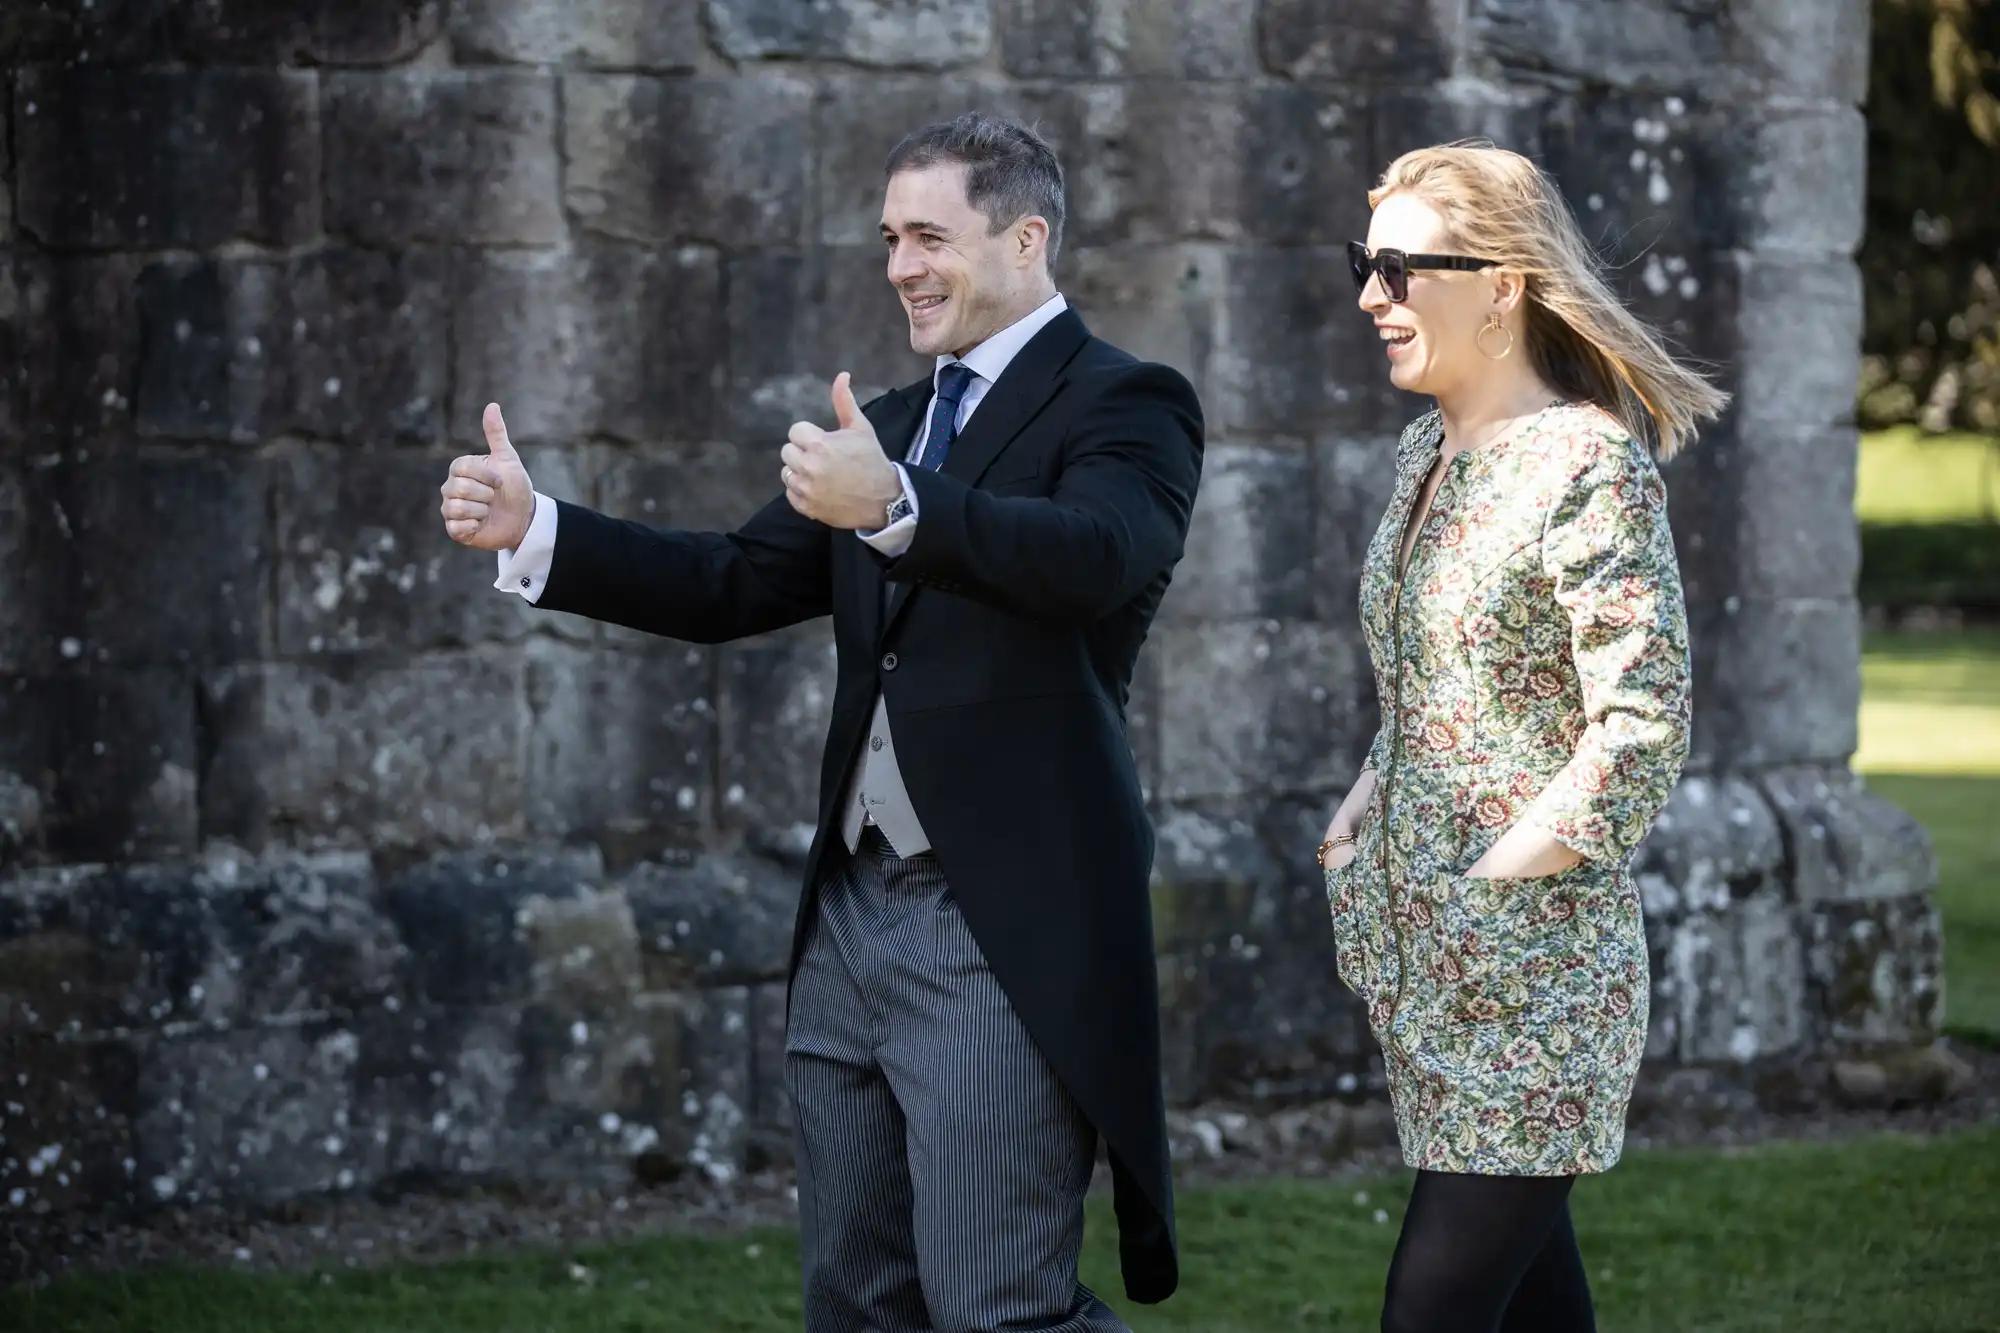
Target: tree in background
x=1931, y=260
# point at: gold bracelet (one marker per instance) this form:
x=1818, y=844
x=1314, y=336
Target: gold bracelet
x=1331, y=843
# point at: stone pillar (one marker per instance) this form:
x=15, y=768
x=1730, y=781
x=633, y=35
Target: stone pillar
x=321, y=862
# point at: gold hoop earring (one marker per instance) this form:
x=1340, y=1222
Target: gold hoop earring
x=1479, y=339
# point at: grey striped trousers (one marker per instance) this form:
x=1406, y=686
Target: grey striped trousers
x=942, y=1167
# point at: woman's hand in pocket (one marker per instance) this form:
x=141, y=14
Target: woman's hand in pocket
x=1525, y=851
x=1346, y=820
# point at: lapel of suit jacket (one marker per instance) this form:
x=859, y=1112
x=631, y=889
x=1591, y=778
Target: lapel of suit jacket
x=1023, y=389
x=895, y=418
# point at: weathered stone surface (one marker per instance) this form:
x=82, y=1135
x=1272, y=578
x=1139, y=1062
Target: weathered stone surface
x=621, y=744
x=1779, y=682
x=688, y=160
x=246, y=349
x=1352, y=477
x=777, y=702
x=1405, y=118
x=1804, y=50
x=1082, y=39
x=65, y=1122
x=13, y=351
x=1734, y=984
x=1159, y=162
x=363, y=562
x=1299, y=357
x=81, y=364
x=1749, y=509
x=718, y=921
x=1159, y=302
x=125, y=760
x=924, y=34
x=1249, y=545
x=622, y=344
x=392, y=178
x=96, y=32
x=354, y=752
x=1717, y=842
x=471, y=912
x=1258, y=706
x=1845, y=843
x=129, y=159
x=24, y=636
x=797, y=319
x=325, y=32
x=1876, y=970
x=614, y=34
x=1352, y=41
x=1800, y=343
x=1625, y=43
x=6, y=182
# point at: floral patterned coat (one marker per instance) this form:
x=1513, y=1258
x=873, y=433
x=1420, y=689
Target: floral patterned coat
x=1532, y=663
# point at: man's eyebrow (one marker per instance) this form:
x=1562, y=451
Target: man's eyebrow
x=919, y=225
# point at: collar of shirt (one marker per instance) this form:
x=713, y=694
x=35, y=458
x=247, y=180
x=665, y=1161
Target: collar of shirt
x=991, y=357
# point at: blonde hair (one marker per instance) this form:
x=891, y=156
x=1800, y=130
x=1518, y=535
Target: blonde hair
x=1584, y=343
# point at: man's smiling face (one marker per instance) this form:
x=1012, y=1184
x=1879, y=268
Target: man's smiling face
x=958, y=280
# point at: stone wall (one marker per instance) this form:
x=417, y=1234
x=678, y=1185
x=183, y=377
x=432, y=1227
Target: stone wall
x=328, y=866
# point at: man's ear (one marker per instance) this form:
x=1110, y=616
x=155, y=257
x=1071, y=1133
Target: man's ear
x=1031, y=237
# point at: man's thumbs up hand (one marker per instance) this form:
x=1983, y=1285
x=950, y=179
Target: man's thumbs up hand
x=488, y=500
x=840, y=477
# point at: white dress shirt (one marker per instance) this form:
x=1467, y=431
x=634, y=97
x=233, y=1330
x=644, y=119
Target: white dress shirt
x=525, y=569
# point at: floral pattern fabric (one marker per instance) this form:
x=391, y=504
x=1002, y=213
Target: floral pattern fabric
x=1532, y=663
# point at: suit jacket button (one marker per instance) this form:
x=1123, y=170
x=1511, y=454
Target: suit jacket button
x=888, y=661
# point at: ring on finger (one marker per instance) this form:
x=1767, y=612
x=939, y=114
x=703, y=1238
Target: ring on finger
x=786, y=474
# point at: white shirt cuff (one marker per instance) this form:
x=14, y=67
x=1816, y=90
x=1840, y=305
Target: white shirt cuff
x=896, y=538
x=525, y=569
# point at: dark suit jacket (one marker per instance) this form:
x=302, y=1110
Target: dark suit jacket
x=1004, y=651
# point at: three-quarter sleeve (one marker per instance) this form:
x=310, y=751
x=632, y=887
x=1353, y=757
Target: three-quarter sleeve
x=1609, y=555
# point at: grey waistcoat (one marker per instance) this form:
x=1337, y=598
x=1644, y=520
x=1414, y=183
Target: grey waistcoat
x=875, y=792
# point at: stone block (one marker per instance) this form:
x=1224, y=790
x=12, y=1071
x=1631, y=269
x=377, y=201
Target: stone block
x=66, y=1122
x=614, y=34
x=346, y=343
x=897, y=34
x=30, y=729
x=621, y=743
x=770, y=1099
x=443, y=155
x=1352, y=477
x=1776, y=682
x=1624, y=43
x=777, y=703
x=1403, y=119
x=1765, y=513
x=1717, y=842
x=623, y=343
x=1162, y=162
x=465, y=918
x=86, y=32
x=169, y=553
x=1735, y=983
x=1251, y=707
x=129, y=159
x=1108, y=39
x=1844, y=842
x=363, y=562
x=1799, y=327
x=398, y=756
x=6, y=191
x=1161, y=303
x=1298, y=356
x=1876, y=971
x=25, y=639
x=717, y=921
x=126, y=760
x=797, y=319
x=1142, y=720
x=1803, y=50
x=322, y=32
x=719, y=162
x=1355, y=42
x=81, y=367
x=1249, y=544
x=859, y=120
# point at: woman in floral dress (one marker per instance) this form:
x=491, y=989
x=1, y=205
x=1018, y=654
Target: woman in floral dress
x=1523, y=611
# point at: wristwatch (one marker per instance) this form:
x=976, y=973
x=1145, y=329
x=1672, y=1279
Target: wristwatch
x=899, y=509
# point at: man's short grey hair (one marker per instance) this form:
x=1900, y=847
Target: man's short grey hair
x=1010, y=171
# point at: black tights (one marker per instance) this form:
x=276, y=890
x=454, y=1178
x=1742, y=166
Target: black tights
x=1487, y=1254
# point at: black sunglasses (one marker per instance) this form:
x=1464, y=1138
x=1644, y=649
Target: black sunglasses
x=1395, y=266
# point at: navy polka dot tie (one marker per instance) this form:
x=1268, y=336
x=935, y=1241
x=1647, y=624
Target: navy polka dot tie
x=952, y=383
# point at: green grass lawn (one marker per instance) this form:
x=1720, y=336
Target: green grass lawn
x=1885, y=1234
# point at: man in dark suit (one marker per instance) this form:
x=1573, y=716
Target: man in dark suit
x=973, y=999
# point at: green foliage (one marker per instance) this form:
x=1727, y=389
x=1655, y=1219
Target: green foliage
x=1930, y=262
